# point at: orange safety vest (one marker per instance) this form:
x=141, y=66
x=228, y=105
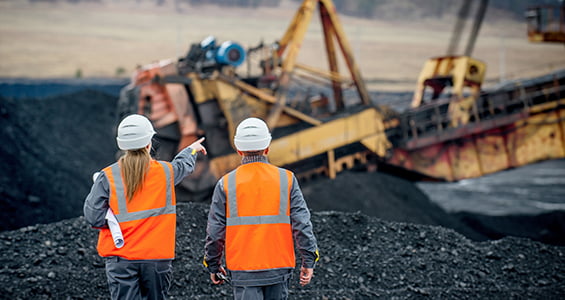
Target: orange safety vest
x=258, y=229
x=148, y=221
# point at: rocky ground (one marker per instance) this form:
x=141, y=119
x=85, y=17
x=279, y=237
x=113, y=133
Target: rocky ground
x=379, y=235
x=361, y=258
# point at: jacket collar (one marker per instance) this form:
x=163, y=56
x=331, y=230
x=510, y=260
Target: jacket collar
x=254, y=158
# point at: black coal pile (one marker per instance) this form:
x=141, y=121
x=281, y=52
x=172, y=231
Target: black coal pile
x=362, y=257
x=546, y=227
x=384, y=196
x=50, y=148
x=379, y=236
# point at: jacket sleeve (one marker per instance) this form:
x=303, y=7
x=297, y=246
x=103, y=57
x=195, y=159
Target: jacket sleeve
x=216, y=230
x=302, y=227
x=96, y=202
x=183, y=164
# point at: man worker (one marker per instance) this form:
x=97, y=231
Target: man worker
x=256, y=215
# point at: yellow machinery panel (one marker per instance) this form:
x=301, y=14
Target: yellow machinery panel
x=330, y=135
x=449, y=74
x=537, y=138
x=464, y=160
x=493, y=154
x=430, y=160
x=433, y=160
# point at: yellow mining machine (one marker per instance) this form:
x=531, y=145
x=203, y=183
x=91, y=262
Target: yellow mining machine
x=323, y=121
x=454, y=130
x=546, y=23
x=315, y=130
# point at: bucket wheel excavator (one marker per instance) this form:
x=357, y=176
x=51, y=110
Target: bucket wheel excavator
x=322, y=121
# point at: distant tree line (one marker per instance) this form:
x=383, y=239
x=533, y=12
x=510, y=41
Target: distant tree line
x=387, y=9
x=240, y=3
x=428, y=8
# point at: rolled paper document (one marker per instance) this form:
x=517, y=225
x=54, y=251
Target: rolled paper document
x=112, y=223
x=115, y=229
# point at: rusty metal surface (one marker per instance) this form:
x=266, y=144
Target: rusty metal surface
x=488, y=146
x=456, y=133
x=517, y=124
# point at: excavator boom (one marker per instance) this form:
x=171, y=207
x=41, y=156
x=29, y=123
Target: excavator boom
x=316, y=131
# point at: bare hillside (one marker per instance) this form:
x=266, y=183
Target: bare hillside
x=110, y=38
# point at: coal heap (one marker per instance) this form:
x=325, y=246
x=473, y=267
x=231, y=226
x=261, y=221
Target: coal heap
x=362, y=257
x=50, y=149
x=379, y=235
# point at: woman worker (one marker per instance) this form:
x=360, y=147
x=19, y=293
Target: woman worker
x=140, y=192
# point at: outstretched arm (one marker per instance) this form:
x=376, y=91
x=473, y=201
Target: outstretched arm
x=185, y=161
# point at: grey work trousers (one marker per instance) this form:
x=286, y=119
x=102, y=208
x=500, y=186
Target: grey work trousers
x=138, y=279
x=268, y=292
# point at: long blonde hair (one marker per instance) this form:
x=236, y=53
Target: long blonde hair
x=134, y=165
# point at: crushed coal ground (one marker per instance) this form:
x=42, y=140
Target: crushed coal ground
x=380, y=236
x=362, y=257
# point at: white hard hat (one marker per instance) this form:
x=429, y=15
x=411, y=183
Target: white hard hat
x=252, y=134
x=134, y=132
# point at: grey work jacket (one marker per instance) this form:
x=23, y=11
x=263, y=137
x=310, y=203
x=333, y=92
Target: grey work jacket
x=96, y=203
x=304, y=238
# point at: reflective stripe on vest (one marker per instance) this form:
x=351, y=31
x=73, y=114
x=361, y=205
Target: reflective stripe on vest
x=124, y=215
x=258, y=223
x=235, y=219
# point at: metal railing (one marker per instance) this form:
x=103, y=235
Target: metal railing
x=434, y=118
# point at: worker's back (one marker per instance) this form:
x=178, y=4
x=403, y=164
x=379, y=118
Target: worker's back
x=258, y=218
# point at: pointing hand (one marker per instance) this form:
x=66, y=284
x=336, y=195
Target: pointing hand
x=197, y=146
